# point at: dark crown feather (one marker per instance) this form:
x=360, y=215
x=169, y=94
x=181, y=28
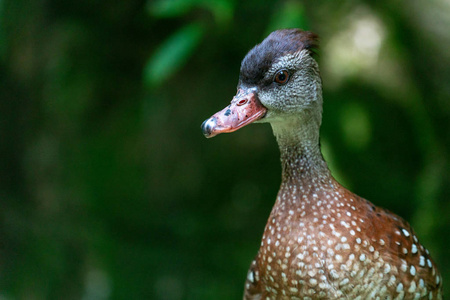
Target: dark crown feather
x=279, y=43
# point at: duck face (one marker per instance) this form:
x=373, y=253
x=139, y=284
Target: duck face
x=290, y=85
x=278, y=79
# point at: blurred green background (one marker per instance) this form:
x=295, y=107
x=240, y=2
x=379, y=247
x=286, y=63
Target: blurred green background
x=108, y=189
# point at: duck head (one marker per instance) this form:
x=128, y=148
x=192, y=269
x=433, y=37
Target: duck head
x=279, y=82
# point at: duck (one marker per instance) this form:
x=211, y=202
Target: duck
x=321, y=241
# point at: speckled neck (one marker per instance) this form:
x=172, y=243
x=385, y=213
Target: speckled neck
x=301, y=159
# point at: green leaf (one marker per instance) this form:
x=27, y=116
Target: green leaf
x=170, y=8
x=290, y=15
x=172, y=54
x=222, y=10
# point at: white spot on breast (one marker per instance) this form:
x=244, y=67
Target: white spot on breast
x=376, y=255
x=344, y=282
x=421, y=283
x=412, y=270
x=362, y=257
x=391, y=280
x=405, y=232
x=399, y=288
x=422, y=261
x=250, y=277
x=414, y=248
x=334, y=274
x=345, y=224
x=403, y=267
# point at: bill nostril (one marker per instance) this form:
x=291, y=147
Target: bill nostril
x=242, y=102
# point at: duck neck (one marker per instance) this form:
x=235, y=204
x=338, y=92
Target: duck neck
x=303, y=167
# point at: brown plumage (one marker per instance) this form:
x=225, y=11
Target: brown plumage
x=321, y=241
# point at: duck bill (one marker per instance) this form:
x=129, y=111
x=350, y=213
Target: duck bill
x=245, y=108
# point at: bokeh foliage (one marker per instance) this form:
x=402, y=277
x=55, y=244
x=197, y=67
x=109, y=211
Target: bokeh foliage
x=108, y=189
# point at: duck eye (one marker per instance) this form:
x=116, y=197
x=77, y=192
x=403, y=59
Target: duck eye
x=281, y=77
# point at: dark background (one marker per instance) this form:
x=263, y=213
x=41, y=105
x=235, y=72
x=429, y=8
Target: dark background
x=108, y=189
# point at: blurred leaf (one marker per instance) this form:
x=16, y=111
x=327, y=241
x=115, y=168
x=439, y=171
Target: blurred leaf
x=291, y=14
x=172, y=54
x=170, y=8
x=222, y=10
